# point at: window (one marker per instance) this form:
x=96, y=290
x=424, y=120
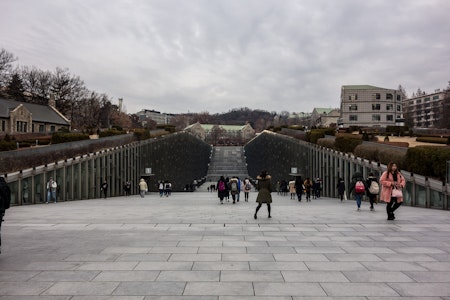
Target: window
x=377, y=96
x=353, y=97
x=419, y=101
x=353, y=107
x=376, y=118
x=389, y=97
x=376, y=106
x=389, y=118
x=41, y=128
x=52, y=128
x=3, y=125
x=436, y=97
x=353, y=117
x=399, y=98
x=21, y=126
x=389, y=107
x=399, y=108
x=426, y=99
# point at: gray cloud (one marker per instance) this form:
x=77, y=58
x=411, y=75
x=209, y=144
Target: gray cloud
x=179, y=56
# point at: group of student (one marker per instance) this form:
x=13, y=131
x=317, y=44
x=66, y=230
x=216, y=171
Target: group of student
x=388, y=188
x=233, y=186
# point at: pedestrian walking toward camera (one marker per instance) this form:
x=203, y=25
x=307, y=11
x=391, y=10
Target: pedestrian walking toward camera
x=358, y=186
x=308, y=187
x=104, y=188
x=341, y=188
x=264, y=192
x=143, y=188
x=299, y=187
x=392, y=183
x=292, y=189
x=5, y=201
x=373, y=189
x=51, y=190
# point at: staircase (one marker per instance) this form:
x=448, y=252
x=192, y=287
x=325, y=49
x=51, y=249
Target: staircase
x=228, y=161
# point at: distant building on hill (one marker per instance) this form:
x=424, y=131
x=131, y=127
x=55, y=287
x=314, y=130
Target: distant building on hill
x=425, y=111
x=325, y=117
x=21, y=117
x=222, y=134
x=158, y=117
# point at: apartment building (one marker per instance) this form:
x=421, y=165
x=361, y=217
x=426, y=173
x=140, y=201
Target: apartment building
x=370, y=106
x=158, y=117
x=424, y=111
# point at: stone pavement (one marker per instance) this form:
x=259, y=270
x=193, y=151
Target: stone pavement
x=188, y=246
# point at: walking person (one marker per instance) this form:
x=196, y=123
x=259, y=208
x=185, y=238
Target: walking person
x=234, y=188
x=51, y=190
x=104, y=188
x=358, y=187
x=341, y=188
x=264, y=192
x=392, y=183
x=299, y=187
x=292, y=189
x=5, y=201
x=161, y=188
x=221, y=188
x=308, y=186
x=373, y=189
x=143, y=188
x=247, y=188
x=128, y=188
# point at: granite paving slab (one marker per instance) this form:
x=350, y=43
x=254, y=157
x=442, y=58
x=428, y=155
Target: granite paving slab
x=188, y=246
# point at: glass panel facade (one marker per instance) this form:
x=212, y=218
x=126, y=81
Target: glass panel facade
x=39, y=188
x=421, y=196
x=436, y=199
x=27, y=193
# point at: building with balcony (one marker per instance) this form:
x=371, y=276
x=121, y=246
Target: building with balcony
x=370, y=106
x=424, y=111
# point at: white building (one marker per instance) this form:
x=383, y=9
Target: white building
x=158, y=117
x=370, y=106
x=424, y=111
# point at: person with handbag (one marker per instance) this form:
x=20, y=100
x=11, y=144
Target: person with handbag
x=392, y=183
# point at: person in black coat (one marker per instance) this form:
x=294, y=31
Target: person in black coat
x=341, y=188
x=372, y=196
x=5, y=201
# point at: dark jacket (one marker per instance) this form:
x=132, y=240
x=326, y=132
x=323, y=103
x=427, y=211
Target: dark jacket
x=341, y=187
x=264, y=189
x=368, y=183
x=5, y=196
x=355, y=178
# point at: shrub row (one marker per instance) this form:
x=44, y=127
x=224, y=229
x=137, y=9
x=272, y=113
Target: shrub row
x=111, y=132
x=436, y=140
x=428, y=161
x=141, y=134
x=62, y=137
x=7, y=145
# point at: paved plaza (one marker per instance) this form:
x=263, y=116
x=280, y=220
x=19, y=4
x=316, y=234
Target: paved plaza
x=188, y=246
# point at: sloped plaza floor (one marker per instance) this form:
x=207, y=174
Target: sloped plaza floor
x=188, y=246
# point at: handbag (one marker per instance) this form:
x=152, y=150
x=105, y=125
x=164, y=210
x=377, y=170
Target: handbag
x=397, y=193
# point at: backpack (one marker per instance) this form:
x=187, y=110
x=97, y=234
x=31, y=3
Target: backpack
x=248, y=186
x=234, y=186
x=359, y=187
x=374, y=188
x=221, y=186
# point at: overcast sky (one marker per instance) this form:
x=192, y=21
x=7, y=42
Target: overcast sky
x=215, y=55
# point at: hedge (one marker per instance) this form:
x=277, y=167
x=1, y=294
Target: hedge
x=428, y=161
x=62, y=137
x=435, y=140
x=346, y=144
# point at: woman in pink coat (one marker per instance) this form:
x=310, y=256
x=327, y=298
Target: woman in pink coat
x=390, y=179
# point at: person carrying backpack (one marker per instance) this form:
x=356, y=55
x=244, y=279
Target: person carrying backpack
x=373, y=190
x=358, y=187
x=234, y=189
x=5, y=201
x=221, y=189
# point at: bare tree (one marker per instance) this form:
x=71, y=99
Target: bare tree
x=6, y=60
